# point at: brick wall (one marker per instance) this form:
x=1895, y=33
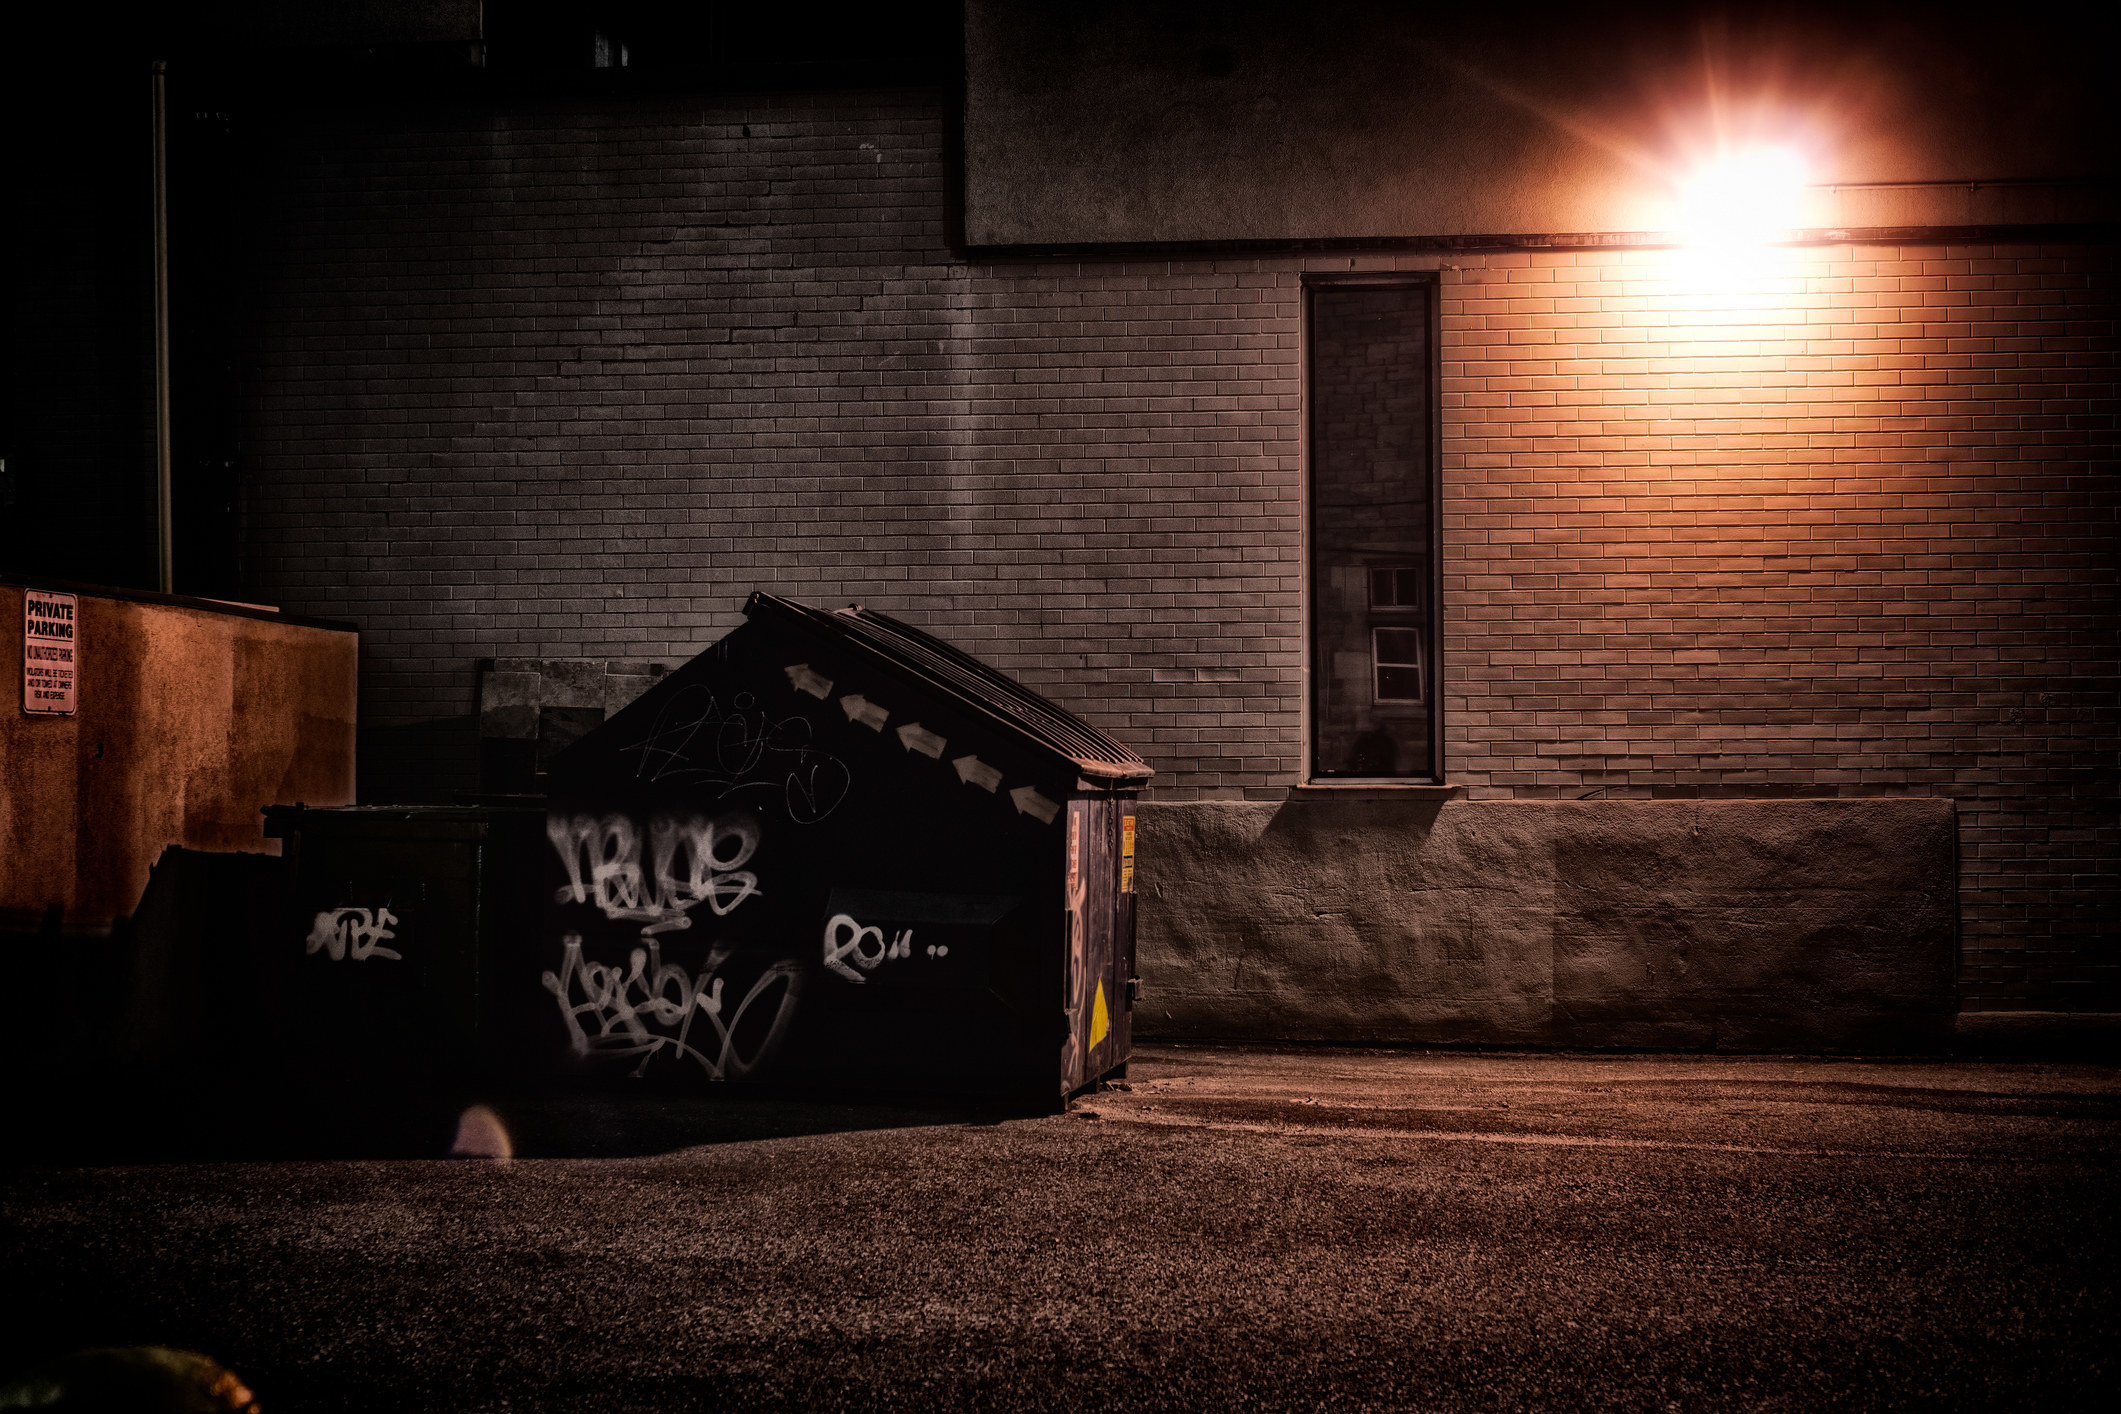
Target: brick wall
x=564, y=381
x=559, y=381
x=1842, y=524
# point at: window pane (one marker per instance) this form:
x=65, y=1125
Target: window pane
x=1399, y=645
x=1370, y=490
x=1398, y=684
x=1396, y=588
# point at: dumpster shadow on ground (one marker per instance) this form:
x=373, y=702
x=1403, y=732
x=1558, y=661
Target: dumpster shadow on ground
x=198, y=1119
x=613, y=1124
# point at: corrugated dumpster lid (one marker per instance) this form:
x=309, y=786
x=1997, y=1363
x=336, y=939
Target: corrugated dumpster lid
x=963, y=678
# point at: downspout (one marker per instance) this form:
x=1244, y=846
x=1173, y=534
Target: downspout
x=165, y=531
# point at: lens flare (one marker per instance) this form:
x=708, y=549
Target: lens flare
x=1743, y=200
x=482, y=1135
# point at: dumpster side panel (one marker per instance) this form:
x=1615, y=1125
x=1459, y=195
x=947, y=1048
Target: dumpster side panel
x=511, y=903
x=381, y=952
x=1094, y=991
x=1124, y=973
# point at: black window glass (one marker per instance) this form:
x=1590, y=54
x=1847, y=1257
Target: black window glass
x=1372, y=530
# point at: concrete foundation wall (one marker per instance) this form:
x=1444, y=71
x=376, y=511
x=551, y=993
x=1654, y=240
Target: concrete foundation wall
x=190, y=721
x=1769, y=924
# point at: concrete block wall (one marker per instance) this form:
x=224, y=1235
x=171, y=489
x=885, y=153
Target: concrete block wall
x=568, y=381
x=1678, y=924
x=530, y=711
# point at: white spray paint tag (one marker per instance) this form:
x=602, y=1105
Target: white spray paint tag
x=356, y=932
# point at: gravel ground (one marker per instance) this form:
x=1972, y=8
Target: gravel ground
x=1234, y=1228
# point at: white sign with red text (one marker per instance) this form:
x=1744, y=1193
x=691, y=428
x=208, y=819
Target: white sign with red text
x=51, y=648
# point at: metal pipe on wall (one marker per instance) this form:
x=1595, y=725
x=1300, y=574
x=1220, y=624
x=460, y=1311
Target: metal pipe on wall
x=165, y=530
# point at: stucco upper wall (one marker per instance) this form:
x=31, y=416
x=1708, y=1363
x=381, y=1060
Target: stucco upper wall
x=1353, y=119
x=189, y=722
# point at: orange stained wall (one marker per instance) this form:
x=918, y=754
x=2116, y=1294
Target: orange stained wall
x=190, y=720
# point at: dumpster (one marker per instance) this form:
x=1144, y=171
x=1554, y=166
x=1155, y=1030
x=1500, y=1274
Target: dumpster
x=394, y=959
x=834, y=850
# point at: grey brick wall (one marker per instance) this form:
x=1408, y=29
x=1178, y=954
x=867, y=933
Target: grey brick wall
x=562, y=382
x=570, y=381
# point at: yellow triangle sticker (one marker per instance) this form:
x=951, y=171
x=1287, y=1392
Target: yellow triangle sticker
x=1100, y=1019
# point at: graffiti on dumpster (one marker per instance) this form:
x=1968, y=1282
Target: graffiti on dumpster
x=697, y=742
x=656, y=878
x=352, y=932
x=652, y=1007
x=849, y=945
x=655, y=875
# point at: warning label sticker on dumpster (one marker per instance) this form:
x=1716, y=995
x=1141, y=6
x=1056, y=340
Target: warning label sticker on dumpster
x=51, y=643
x=1126, y=854
x=1075, y=848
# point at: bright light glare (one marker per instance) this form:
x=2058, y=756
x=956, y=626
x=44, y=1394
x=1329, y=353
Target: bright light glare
x=1743, y=200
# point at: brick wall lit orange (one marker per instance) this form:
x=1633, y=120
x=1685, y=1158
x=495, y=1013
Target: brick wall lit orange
x=1846, y=529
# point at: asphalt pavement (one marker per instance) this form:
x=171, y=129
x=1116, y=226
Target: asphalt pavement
x=1230, y=1229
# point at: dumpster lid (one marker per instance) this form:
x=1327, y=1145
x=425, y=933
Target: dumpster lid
x=972, y=683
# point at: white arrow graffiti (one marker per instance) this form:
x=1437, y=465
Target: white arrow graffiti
x=803, y=678
x=977, y=772
x=1030, y=802
x=860, y=709
x=915, y=737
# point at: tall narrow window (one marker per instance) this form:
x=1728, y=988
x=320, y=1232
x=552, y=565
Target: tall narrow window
x=1371, y=391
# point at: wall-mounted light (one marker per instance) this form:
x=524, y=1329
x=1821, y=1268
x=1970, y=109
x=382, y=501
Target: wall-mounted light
x=1743, y=199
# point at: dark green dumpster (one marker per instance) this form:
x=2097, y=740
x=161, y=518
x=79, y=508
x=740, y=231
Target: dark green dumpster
x=832, y=849
x=399, y=950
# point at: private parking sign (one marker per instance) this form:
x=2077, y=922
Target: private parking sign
x=51, y=646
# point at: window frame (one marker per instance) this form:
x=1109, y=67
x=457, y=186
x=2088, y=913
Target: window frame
x=1428, y=617
x=1420, y=664
x=1397, y=606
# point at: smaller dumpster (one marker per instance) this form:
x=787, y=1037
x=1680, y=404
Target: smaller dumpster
x=834, y=850
x=395, y=957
